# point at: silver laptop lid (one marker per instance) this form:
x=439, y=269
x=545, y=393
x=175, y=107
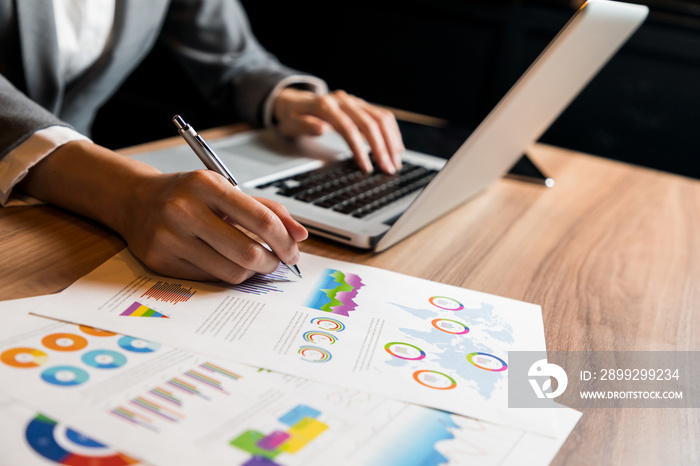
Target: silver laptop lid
x=585, y=44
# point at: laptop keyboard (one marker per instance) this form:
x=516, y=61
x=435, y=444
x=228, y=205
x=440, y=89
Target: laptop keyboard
x=344, y=188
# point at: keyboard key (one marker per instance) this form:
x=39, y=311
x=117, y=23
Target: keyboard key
x=344, y=188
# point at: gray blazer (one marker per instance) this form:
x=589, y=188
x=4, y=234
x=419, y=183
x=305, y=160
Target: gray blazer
x=210, y=38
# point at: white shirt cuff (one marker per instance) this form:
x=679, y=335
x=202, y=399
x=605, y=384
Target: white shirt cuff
x=15, y=165
x=315, y=85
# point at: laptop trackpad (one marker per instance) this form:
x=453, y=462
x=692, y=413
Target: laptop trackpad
x=262, y=153
x=251, y=155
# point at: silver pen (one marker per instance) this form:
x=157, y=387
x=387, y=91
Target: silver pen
x=212, y=161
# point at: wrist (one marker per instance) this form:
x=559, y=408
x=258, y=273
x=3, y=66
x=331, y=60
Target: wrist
x=92, y=181
x=286, y=99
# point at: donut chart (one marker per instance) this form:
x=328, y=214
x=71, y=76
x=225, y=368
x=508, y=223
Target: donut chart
x=450, y=326
x=318, y=337
x=96, y=332
x=314, y=354
x=487, y=362
x=434, y=379
x=64, y=342
x=137, y=345
x=403, y=350
x=42, y=435
x=24, y=357
x=448, y=304
x=328, y=324
x=104, y=359
x=65, y=376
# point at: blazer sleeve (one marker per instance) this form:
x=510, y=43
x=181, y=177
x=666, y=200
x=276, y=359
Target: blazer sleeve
x=20, y=117
x=213, y=41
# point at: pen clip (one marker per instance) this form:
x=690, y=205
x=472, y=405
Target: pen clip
x=200, y=147
x=220, y=167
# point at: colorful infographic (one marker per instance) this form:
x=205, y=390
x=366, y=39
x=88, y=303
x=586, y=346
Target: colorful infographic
x=168, y=402
x=65, y=375
x=445, y=303
x=262, y=284
x=314, y=354
x=328, y=324
x=299, y=427
x=404, y=351
x=319, y=337
x=66, y=446
x=24, y=357
x=450, y=326
x=139, y=310
x=95, y=332
x=64, y=342
x=434, y=379
x=104, y=359
x=169, y=292
x=488, y=362
x=137, y=345
x=336, y=292
x=453, y=333
x=409, y=341
x=72, y=366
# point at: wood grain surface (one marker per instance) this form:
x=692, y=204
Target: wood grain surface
x=611, y=253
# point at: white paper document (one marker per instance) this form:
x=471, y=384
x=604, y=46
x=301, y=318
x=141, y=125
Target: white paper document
x=345, y=324
x=103, y=398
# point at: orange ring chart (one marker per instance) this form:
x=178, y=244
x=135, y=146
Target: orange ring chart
x=64, y=342
x=434, y=379
x=96, y=332
x=24, y=357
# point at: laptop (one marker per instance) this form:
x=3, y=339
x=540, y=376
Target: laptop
x=318, y=182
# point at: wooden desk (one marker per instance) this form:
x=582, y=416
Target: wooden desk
x=612, y=253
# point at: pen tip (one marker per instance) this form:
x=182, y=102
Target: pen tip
x=294, y=269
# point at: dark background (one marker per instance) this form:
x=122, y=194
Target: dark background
x=454, y=59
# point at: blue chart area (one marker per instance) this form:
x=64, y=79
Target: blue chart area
x=298, y=413
x=104, y=359
x=65, y=376
x=448, y=349
x=137, y=345
x=335, y=292
x=416, y=443
x=79, y=450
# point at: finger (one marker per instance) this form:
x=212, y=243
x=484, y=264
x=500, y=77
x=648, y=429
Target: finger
x=369, y=127
x=194, y=259
x=211, y=266
x=295, y=229
x=231, y=244
x=328, y=109
x=259, y=220
x=390, y=131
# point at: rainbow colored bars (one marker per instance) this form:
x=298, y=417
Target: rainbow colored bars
x=219, y=370
x=139, y=310
x=336, y=292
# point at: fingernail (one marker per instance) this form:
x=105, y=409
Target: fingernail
x=388, y=168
